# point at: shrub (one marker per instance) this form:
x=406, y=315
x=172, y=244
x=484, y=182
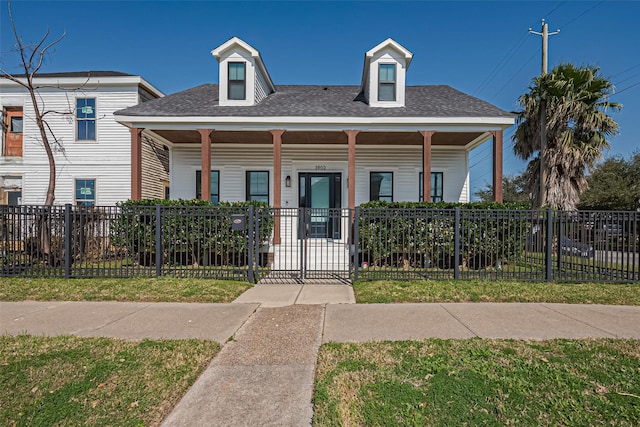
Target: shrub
x=193, y=231
x=420, y=235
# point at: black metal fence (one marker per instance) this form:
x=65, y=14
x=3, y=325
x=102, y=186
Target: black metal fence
x=251, y=243
x=532, y=245
x=86, y=241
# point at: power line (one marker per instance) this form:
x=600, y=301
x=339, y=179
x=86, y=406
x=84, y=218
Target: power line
x=533, y=55
x=506, y=135
x=508, y=56
x=628, y=69
x=548, y=14
x=628, y=78
x=499, y=65
x=488, y=172
x=582, y=14
x=626, y=88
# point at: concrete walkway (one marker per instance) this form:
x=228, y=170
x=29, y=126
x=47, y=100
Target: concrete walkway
x=283, y=295
x=264, y=374
x=264, y=377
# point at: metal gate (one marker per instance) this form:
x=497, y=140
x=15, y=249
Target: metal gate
x=307, y=244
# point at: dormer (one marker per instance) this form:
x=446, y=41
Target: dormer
x=244, y=79
x=384, y=74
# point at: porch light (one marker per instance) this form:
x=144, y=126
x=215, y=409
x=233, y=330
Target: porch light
x=287, y=181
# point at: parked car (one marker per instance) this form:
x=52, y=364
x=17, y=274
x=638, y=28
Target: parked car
x=575, y=248
x=612, y=230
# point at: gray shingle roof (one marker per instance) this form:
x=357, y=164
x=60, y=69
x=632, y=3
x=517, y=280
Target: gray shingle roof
x=319, y=101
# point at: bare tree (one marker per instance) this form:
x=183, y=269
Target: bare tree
x=32, y=57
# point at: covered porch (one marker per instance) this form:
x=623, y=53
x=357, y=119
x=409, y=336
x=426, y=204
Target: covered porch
x=320, y=169
x=347, y=141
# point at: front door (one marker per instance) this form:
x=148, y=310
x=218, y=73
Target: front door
x=320, y=197
x=13, y=142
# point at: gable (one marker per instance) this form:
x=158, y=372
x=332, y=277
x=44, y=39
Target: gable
x=384, y=74
x=243, y=77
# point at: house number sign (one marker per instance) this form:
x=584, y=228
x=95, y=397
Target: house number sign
x=321, y=167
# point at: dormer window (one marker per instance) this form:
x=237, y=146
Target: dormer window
x=387, y=82
x=384, y=75
x=237, y=81
x=244, y=80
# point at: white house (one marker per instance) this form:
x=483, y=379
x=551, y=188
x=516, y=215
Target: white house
x=93, y=155
x=319, y=146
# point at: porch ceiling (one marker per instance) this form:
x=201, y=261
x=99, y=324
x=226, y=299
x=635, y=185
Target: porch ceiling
x=460, y=139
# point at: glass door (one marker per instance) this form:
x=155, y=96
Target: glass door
x=320, y=202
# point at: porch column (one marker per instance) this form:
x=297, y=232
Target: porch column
x=426, y=164
x=277, y=181
x=351, y=179
x=205, y=154
x=497, y=166
x=136, y=163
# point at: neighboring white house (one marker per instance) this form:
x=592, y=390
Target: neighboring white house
x=93, y=154
x=319, y=146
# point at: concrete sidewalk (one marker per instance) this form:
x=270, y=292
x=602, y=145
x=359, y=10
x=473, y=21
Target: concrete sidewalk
x=264, y=375
x=367, y=322
x=127, y=320
x=341, y=323
x=283, y=295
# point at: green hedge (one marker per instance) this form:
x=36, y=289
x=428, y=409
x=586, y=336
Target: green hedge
x=420, y=235
x=193, y=231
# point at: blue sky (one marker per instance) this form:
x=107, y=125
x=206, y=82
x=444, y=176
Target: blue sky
x=481, y=48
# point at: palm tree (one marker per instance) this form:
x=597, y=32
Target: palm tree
x=577, y=128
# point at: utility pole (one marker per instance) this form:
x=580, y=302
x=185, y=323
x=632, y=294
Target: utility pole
x=543, y=111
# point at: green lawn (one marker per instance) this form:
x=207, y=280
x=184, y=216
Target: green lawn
x=70, y=381
x=166, y=289
x=385, y=291
x=479, y=382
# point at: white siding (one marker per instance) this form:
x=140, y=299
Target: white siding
x=406, y=165
x=262, y=90
x=107, y=159
x=233, y=160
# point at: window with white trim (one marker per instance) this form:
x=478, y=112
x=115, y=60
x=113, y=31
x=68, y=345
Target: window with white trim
x=85, y=192
x=85, y=119
x=237, y=81
x=387, y=82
